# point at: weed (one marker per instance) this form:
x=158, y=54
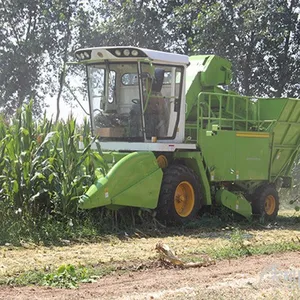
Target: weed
x=26, y=278
x=68, y=276
x=240, y=246
x=65, y=276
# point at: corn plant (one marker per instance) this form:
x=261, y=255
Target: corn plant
x=74, y=170
x=42, y=172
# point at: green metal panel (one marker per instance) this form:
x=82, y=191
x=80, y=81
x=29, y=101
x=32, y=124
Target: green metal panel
x=144, y=193
x=253, y=155
x=213, y=70
x=113, y=157
x=194, y=160
x=234, y=201
x=286, y=138
x=219, y=153
x=235, y=155
x=270, y=108
x=243, y=138
x=134, y=180
x=205, y=73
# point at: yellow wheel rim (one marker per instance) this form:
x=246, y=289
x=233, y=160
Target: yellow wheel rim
x=270, y=204
x=184, y=199
x=162, y=161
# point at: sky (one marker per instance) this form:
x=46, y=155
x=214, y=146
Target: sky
x=71, y=106
x=66, y=109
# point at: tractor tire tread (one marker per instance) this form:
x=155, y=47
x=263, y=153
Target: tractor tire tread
x=172, y=177
x=258, y=203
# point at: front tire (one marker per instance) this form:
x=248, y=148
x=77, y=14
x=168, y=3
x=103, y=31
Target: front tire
x=265, y=202
x=180, y=195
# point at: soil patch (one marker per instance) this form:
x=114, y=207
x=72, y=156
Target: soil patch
x=260, y=277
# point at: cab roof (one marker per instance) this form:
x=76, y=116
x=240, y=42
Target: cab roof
x=117, y=53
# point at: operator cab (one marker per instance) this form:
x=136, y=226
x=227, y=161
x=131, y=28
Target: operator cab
x=135, y=94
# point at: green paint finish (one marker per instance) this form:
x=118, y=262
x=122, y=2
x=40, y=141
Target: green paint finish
x=270, y=108
x=252, y=157
x=219, y=152
x=243, y=138
x=235, y=156
x=95, y=196
x=194, y=161
x=114, y=157
x=134, y=180
x=286, y=138
x=213, y=70
x=234, y=201
x=144, y=193
x=205, y=72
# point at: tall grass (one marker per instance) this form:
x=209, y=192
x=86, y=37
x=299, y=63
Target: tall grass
x=42, y=171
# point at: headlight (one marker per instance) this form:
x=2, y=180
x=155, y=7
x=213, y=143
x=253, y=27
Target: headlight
x=118, y=53
x=126, y=52
x=86, y=55
x=134, y=53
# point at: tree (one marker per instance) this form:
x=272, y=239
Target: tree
x=261, y=38
x=35, y=44
x=130, y=22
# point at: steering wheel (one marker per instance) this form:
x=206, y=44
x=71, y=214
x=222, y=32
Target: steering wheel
x=97, y=109
x=135, y=101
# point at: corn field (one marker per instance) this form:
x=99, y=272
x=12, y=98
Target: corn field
x=42, y=171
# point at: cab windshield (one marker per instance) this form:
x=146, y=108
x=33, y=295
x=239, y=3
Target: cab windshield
x=129, y=105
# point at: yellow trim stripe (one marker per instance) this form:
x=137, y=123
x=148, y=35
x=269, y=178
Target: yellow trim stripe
x=253, y=134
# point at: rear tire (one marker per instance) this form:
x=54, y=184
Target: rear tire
x=180, y=195
x=265, y=202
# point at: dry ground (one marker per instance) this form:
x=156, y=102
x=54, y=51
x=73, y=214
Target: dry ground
x=261, y=277
x=258, y=277
x=15, y=260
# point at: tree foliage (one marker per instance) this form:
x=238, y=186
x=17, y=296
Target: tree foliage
x=35, y=37
x=130, y=22
x=261, y=38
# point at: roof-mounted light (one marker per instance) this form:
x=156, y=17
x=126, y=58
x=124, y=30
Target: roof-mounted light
x=126, y=52
x=83, y=54
x=118, y=52
x=134, y=52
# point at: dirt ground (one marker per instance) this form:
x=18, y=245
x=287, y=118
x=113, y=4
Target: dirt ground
x=120, y=250
x=261, y=277
x=141, y=276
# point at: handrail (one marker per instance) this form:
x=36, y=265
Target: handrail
x=222, y=109
x=224, y=100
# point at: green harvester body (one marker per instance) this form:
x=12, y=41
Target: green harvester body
x=241, y=144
